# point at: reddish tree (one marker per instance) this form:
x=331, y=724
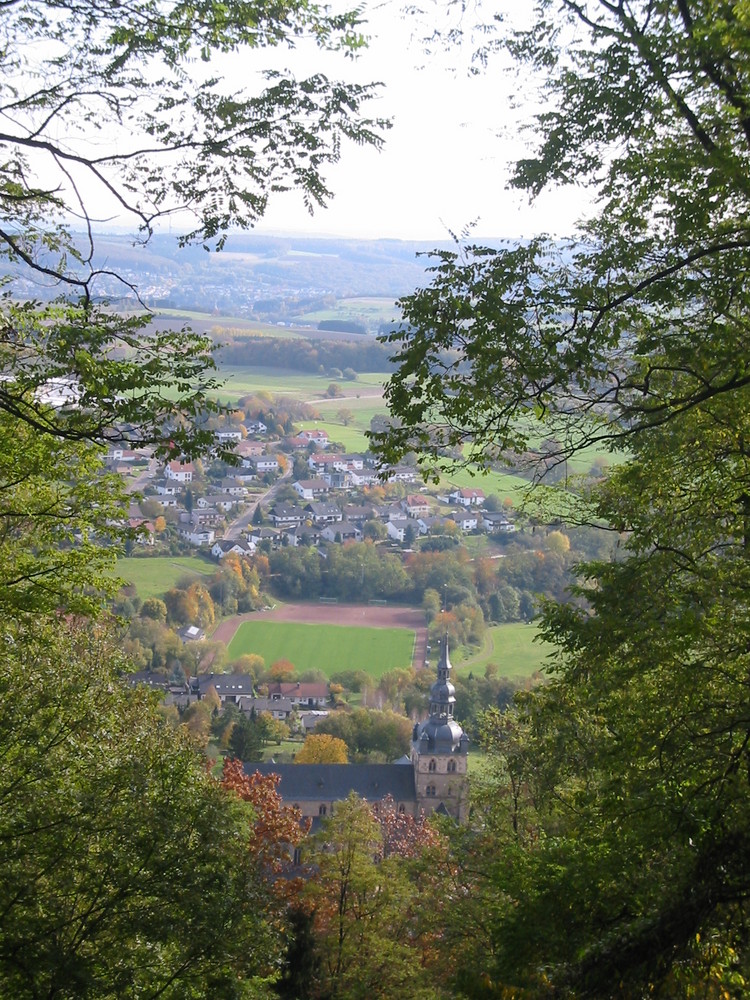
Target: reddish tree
x=276, y=829
x=404, y=835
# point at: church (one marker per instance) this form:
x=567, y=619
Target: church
x=433, y=778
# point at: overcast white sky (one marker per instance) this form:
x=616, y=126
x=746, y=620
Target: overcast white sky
x=445, y=162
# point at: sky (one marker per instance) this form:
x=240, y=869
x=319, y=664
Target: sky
x=445, y=164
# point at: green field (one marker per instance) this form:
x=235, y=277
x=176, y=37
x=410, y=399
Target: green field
x=154, y=576
x=329, y=648
x=515, y=649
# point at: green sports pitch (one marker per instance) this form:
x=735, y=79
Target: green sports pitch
x=329, y=648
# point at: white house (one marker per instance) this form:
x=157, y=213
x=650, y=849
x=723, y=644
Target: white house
x=320, y=438
x=197, y=535
x=397, y=526
x=467, y=497
x=465, y=520
x=309, y=489
x=223, y=546
x=180, y=472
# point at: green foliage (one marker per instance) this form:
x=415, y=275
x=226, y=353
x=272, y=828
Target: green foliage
x=620, y=797
x=124, y=865
x=369, y=734
x=246, y=740
x=363, y=911
x=57, y=511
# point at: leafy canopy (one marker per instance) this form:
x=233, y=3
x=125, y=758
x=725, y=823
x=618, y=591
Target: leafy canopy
x=619, y=797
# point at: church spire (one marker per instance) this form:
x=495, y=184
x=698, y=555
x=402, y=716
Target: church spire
x=442, y=692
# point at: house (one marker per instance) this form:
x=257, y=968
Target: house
x=338, y=480
x=256, y=427
x=402, y=474
x=309, y=720
x=308, y=694
x=364, y=477
x=426, y=525
x=228, y=435
x=358, y=513
x=258, y=534
x=432, y=779
x=179, y=472
x=323, y=513
x=342, y=531
x=467, y=497
x=264, y=464
x=323, y=463
x=232, y=487
x=196, y=535
x=309, y=489
x=496, y=521
x=223, y=546
x=279, y=708
x=415, y=505
x=220, y=501
x=467, y=521
x=229, y=687
x=397, y=526
x=319, y=438
x=167, y=487
x=287, y=515
x=144, y=530
x=249, y=449
x=301, y=535
x=191, y=633
x=126, y=455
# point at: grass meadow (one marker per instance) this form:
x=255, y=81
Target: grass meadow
x=329, y=648
x=153, y=576
x=516, y=649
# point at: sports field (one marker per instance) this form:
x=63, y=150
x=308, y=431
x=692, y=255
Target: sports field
x=329, y=648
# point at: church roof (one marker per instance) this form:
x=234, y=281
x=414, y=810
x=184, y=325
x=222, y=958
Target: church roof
x=334, y=782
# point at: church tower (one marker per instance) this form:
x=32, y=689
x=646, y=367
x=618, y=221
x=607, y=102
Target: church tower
x=439, y=750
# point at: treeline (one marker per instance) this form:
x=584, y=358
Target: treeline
x=306, y=355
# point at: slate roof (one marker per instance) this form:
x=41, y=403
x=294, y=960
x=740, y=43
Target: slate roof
x=334, y=782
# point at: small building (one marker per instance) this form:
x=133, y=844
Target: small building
x=342, y=531
x=467, y=497
x=323, y=513
x=310, y=489
x=223, y=546
x=180, y=472
x=191, y=633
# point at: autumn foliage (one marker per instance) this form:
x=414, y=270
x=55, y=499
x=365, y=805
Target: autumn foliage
x=276, y=828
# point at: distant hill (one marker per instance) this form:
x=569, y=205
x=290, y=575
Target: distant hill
x=269, y=279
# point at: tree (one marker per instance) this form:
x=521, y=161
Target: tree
x=281, y=670
x=113, y=111
x=363, y=917
x=633, y=335
x=322, y=749
x=344, y=416
x=334, y=390
x=124, y=867
x=245, y=741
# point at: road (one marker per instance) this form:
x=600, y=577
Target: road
x=240, y=524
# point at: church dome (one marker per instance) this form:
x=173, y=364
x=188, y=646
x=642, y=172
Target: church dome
x=444, y=734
